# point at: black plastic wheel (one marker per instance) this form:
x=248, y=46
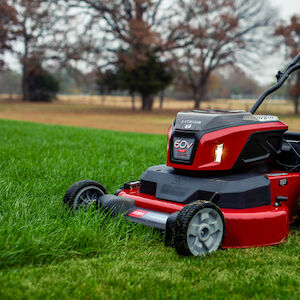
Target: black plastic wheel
x=84, y=194
x=199, y=229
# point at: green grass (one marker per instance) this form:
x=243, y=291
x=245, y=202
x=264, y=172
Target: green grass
x=47, y=253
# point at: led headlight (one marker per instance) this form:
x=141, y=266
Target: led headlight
x=218, y=153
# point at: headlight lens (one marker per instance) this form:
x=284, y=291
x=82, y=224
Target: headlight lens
x=218, y=153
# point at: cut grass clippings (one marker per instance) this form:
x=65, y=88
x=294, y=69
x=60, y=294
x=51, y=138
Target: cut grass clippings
x=47, y=253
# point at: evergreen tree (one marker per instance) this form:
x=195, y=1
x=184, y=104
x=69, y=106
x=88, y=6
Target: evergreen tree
x=42, y=84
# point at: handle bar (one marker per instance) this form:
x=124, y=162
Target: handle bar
x=281, y=78
x=294, y=61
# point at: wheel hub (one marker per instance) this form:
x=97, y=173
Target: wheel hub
x=87, y=197
x=204, y=232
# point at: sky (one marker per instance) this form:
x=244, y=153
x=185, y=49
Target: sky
x=265, y=74
x=270, y=66
x=287, y=7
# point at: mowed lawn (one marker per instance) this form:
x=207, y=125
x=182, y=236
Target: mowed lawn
x=47, y=253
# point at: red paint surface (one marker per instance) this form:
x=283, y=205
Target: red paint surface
x=290, y=190
x=253, y=227
x=138, y=213
x=233, y=138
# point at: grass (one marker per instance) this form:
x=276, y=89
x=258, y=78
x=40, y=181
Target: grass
x=46, y=253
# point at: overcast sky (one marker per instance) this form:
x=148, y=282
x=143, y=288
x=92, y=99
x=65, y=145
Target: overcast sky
x=269, y=66
x=266, y=74
x=287, y=7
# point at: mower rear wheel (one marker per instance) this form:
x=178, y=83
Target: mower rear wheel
x=199, y=229
x=84, y=194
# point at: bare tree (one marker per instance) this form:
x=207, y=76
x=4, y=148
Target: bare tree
x=219, y=31
x=7, y=21
x=35, y=33
x=290, y=35
x=133, y=31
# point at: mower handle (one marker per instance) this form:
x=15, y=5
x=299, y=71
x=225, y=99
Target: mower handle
x=294, y=61
x=281, y=78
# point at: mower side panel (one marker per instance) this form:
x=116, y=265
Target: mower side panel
x=251, y=227
x=285, y=185
x=256, y=227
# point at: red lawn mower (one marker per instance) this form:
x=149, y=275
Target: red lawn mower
x=232, y=180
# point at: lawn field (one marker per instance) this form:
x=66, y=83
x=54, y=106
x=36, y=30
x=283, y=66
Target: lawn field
x=47, y=253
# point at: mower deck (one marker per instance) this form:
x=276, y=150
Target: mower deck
x=249, y=227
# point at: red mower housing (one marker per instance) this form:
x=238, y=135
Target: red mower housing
x=241, y=139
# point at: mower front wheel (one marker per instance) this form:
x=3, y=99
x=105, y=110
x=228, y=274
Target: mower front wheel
x=84, y=194
x=199, y=229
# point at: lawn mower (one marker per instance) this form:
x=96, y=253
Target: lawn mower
x=232, y=180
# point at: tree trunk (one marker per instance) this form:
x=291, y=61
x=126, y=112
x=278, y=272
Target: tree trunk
x=197, y=102
x=132, y=101
x=296, y=105
x=147, y=102
x=200, y=94
x=195, y=95
x=296, y=97
x=25, y=68
x=161, y=99
x=199, y=97
x=25, y=83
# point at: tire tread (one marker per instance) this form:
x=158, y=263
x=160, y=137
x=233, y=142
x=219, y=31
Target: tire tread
x=74, y=189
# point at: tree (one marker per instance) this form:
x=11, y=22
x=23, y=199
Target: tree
x=147, y=79
x=42, y=85
x=7, y=20
x=237, y=82
x=36, y=25
x=219, y=31
x=290, y=35
x=107, y=82
x=133, y=31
